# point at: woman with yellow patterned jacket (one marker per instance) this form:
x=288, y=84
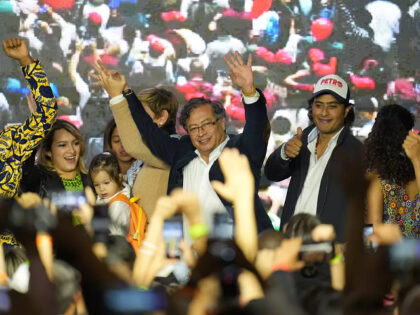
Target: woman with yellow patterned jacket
x=18, y=142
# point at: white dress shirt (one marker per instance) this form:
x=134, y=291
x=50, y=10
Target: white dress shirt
x=308, y=199
x=196, y=180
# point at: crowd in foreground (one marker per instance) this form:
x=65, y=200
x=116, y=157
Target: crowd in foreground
x=80, y=242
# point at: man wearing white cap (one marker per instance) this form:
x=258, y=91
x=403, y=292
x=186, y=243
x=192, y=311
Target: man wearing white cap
x=313, y=156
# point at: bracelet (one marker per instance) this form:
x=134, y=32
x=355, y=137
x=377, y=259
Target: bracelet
x=198, y=230
x=149, y=245
x=3, y=276
x=42, y=238
x=147, y=251
x=143, y=288
x=254, y=90
x=337, y=259
x=127, y=92
x=281, y=266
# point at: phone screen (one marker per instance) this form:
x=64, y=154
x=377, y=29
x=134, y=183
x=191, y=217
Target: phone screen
x=172, y=235
x=369, y=245
x=405, y=255
x=68, y=200
x=133, y=301
x=222, y=226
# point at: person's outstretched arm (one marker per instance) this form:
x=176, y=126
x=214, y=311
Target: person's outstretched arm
x=158, y=141
x=257, y=127
x=239, y=189
x=151, y=257
x=131, y=137
x=18, y=142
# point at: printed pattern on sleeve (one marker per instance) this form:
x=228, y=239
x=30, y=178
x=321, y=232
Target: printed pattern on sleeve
x=18, y=142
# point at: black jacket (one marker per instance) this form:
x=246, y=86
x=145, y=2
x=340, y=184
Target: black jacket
x=179, y=152
x=38, y=179
x=332, y=200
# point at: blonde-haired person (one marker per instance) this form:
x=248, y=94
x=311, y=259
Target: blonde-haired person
x=17, y=142
x=60, y=165
x=151, y=182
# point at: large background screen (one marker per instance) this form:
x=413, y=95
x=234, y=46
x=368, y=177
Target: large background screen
x=180, y=45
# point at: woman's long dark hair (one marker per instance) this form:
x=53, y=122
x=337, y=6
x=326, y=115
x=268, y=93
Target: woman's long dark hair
x=384, y=153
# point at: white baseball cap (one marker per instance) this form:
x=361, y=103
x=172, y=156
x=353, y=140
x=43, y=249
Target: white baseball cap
x=334, y=85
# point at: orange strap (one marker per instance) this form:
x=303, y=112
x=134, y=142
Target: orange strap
x=120, y=197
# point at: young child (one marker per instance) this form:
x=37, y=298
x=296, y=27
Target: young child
x=107, y=181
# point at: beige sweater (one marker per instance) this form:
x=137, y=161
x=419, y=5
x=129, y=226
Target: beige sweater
x=152, y=180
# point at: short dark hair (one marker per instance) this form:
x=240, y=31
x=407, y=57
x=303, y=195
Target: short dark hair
x=348, y=120
x=158, y=100
x=301, y=225
x=14, y=257
x=217, y=108
x=108, y=163
x=270, y=239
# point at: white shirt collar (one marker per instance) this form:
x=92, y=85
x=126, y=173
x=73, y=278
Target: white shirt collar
x=103, y=201
x=315, y=132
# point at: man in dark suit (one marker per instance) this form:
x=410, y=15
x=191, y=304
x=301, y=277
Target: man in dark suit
x=313, y=157
x=194, y=158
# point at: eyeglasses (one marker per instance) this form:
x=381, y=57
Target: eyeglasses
x=207, y=126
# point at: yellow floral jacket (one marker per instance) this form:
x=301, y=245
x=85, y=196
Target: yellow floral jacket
x=18, y=142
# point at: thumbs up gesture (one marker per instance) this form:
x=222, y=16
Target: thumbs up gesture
x=294, y=145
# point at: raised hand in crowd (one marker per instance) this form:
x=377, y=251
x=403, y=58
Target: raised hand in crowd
x=151, y=257
x=239, y=189
x=323, y=233
x=411, y=147
x=293, y=146
x=16, y=48
x=287, y=255
x=240, y=72
x=85, y=213
x=111, y=80
x=386, y=234
x=28, y=200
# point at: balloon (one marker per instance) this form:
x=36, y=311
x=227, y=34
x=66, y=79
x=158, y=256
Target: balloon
x=316, y=54
x=259, y=7
x=321, y=28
